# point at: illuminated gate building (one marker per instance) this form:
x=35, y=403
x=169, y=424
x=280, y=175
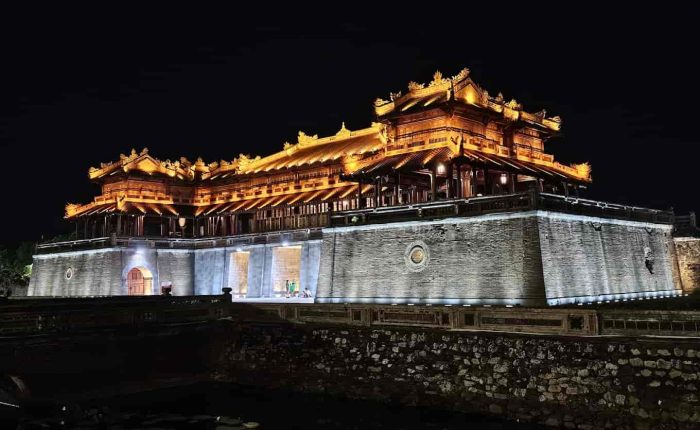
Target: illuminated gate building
x=449, y=197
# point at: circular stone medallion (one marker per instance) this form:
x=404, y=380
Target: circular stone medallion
x=416, y=256
x=69, y=273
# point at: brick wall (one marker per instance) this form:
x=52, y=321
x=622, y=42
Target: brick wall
x=91, y=273
x=482, y=259
x=176, y=267
x=588, y=257
x=500, y=259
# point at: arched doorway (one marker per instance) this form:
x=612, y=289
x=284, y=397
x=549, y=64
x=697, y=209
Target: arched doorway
x=139, y=282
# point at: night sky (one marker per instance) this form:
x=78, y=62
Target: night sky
x=81, y=86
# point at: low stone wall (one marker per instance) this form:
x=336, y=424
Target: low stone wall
x=688, y=253
x=581, y=383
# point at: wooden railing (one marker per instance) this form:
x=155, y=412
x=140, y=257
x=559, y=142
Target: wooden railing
x=32, y=316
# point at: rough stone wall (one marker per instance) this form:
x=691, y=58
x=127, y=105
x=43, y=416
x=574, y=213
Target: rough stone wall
x=256, y=270
x=586, y=257
x=688, y=252
x=493, y=258
x=209, y=268
x=310, y=262
x=93, y=273
x=176, y=267
x=581, y=383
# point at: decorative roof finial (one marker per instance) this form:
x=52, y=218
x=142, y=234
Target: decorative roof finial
x=304, y=138
x=343, y=131
x=437, y=79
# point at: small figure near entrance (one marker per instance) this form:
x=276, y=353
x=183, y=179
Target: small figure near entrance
x=291, y=289
x=306, y=293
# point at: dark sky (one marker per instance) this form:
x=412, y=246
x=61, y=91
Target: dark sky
x=80, y=86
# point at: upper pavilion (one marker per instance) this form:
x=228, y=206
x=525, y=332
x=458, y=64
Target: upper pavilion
x=447, y=139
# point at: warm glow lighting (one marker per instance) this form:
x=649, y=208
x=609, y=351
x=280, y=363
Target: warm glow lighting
x=318, y=166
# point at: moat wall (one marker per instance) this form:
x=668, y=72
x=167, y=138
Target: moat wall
x=582, y=383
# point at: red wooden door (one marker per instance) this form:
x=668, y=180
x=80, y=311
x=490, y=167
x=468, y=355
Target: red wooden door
x=135, y=282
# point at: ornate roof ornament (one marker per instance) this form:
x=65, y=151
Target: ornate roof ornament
x=287, y=145
x=213, y=165
x=394, y=96
x=499, y=98
x=131, y=156
x=245, y=159
x=71, y=208
x=583, y=170
x=144, y=151
x=461, y=75
x=556, y=118
x=303, y=138
x=223, y=163
x=437, y=79
x=413, y=85
x=380, y=102
x=513, y=104
x=343, y=132
x=541, y=114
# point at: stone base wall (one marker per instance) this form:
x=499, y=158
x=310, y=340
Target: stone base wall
x=580, y=383
x=487, y=259
x=198, y=272
x=80, y=273
x=104, y=272
x=688, y=252
x=594, y=259
x=530, y=258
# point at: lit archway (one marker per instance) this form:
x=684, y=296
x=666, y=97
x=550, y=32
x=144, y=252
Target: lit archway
x=139, y=282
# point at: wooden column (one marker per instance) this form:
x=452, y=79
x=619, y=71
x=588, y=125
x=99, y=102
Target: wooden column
x=433, y=183
x=399, y=197
x=487, y=183
x=566, y=189
x=460, y=182
x=513, y=179
x=377, y=191
x=448, y=181
x=473, y=180
x=359, y=194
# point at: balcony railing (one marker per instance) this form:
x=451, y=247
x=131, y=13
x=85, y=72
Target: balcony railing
x=308, y=226
x=503, y=203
